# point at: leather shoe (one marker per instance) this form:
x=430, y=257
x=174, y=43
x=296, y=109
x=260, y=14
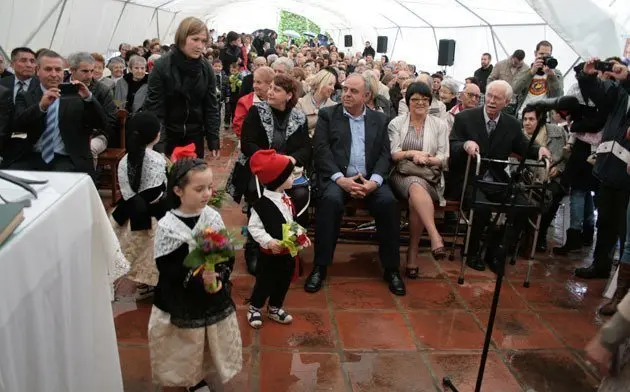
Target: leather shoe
x=315, y=279
x=593, y=272
x=476, y=263
x=396, y=284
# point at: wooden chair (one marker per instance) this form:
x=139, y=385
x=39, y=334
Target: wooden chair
x=109, y=159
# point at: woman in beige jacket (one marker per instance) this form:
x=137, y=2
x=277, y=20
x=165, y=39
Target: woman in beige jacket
x=321, y=86
x=423, y=140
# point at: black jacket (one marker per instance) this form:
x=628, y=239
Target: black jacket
x=182, y=110
x=333, y=139
x=77, y=119
x=246, y=87
x=507, y=138
x=369, y=51
x=230, y=54
x=609, y=168
x=6, y=114
x=482, y=77
x=11, y=149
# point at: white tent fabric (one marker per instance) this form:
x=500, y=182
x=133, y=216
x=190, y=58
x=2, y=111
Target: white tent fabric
x=576, y=28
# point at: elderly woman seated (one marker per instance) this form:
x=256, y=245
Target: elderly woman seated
x=131, y=89
x=263, y=76
x=448, y=93
x=373, y=99
x=437, y=108
x=419, y=146
x=321, y=87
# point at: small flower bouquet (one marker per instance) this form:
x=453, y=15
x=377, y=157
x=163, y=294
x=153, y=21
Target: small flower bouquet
x=294, y=238
x=213, y=247
x=218, y=197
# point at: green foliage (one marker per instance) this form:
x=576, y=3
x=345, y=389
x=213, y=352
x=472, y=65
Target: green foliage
x=298, y=23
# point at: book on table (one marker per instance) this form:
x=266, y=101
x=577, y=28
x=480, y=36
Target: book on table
x=11, y=215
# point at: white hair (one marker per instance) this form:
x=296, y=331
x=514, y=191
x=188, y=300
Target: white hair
x=450, y=84
x=288, y=64
x=505, y=85
x=75, y=59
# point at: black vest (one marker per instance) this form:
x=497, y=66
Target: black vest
x=271, y=217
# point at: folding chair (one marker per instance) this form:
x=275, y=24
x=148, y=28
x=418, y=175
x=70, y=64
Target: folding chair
x=501, y=208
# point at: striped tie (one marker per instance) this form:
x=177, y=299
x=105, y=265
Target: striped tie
x=48, y=137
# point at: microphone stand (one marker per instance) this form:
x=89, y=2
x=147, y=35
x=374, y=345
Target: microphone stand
x=501, y=256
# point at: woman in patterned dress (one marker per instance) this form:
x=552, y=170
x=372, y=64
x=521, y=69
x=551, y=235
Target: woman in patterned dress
x=423, y=140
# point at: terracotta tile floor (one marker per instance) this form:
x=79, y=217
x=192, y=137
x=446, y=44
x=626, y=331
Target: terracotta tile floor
x=355, y=336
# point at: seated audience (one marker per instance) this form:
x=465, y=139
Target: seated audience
x=321, y=87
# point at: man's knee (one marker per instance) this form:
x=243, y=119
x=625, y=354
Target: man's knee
x=331, y=197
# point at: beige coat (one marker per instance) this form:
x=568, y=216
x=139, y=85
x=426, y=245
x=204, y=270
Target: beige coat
x=503, y=70
x=305, y=104
x=434, y=141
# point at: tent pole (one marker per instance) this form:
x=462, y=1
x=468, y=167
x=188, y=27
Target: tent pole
x=168, y=29
x=423, y=20
x=52, y=39
x=4, y=53
x=394, y=45
x=577, y=60
x=48, y=15
x=122, y=11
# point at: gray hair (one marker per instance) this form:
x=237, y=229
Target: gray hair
x=288, y=64
x=137, y=60
x=115, y=60
x=75, y=59
x=272, y=58
x=451, y=85
x=371, y=83
x=505, y=85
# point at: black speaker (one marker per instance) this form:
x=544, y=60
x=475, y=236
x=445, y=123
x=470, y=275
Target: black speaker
x=446, y=52
x=381, y=44
x=347, y=41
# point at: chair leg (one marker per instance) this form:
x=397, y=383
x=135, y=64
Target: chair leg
x=114, y=174
x=530, y=262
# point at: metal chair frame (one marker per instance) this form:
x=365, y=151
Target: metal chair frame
x=468, y=218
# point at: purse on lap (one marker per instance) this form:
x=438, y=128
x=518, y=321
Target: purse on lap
x=431, y=174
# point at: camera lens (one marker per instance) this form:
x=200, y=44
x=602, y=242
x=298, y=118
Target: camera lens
x=551, y=62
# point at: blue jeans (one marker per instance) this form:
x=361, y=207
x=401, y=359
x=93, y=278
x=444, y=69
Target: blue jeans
x=625, y=258
x=582, y=210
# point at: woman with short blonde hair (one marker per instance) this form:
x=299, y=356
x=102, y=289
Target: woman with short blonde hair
x=321, y=87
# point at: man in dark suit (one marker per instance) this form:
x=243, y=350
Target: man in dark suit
x=6, y=114
x=58, y=126
x=494, y=135
x=23, y=62
x=353, y=159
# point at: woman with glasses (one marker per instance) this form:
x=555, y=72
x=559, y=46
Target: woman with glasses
x=419, y=146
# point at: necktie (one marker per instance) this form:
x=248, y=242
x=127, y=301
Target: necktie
x=48, y=137
x=20, y=87
x=491, y=126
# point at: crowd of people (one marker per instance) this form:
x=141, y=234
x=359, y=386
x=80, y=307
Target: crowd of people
x=317, y=127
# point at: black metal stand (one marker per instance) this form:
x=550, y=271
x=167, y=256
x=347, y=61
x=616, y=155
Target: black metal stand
x=509, y=204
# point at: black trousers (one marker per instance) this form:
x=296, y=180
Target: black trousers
x=382, y=206
x=482, y=215
x=611, y=223
x=34, y=161
x=299, y=196
x=168, y=142
x=273, y=278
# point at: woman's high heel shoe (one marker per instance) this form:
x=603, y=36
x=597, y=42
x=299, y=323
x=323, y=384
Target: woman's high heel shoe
x=412, y=273
x=439, y=253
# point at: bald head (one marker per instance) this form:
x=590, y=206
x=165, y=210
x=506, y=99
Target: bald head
x=426, y=79
x=470, y=96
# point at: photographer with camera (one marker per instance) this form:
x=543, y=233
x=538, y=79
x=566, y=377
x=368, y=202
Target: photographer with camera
x=541, y=81
x=613, y=158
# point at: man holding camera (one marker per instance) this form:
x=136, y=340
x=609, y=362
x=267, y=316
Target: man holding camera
x=613, y=159
x=541, y=81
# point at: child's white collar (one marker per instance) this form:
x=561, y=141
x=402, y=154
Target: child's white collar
x=273, y=195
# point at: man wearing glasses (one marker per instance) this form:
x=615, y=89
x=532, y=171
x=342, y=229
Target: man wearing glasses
x=468, y=99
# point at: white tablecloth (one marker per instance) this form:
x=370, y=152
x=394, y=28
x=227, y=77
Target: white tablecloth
x=56, y=325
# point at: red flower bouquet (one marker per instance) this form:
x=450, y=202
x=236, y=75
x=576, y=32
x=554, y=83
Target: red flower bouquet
x=213, y=247
x=294, y=238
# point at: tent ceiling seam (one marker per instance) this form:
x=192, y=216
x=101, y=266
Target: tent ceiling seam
x=122, y=11
x=52, y=39
x=42, y=23
x=423, y=20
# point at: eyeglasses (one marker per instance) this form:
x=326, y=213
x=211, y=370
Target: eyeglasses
x=473, y=95
x=423, y=100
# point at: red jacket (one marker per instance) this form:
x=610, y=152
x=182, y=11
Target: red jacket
x=242, y=107
x=245, y=58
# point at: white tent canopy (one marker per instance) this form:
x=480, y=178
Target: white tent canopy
x=576, y=28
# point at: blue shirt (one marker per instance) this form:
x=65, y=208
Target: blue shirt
x=60, y=148
x=356, y=164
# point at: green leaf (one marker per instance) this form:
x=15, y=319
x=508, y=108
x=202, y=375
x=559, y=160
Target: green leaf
x=194, y=259
x=291, y=21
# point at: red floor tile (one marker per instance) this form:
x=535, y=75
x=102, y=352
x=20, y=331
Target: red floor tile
x=359, y=294
x=556, y=371
x=429, y=294
x=243, y=381
x=298, y=299
x=136, y=369
x=453, y=268
x=570, y=295
x=447, y=330
x=132, y=326
x=520, y=330
x=355, y=264
x=387, y=372
x=576, y=329
x=299, y=371
x=242, y=286
x=382, y=330
x=478, y=296
x=310, y=329
x=428, y=268
x=462, y=369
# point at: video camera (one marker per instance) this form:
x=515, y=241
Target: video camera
x=548, y=61
x=604, y=66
